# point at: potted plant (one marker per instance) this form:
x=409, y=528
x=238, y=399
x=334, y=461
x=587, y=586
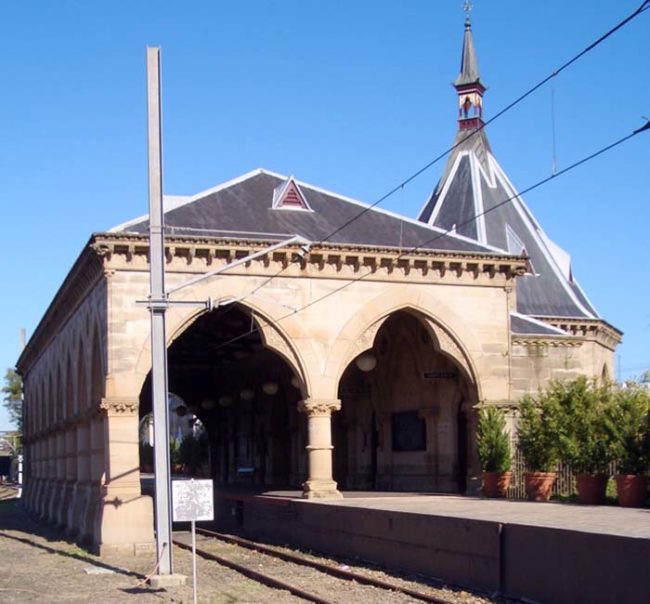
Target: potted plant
x=493, y=444
x=584, y=440
x=538, y=432
x=628, y=423
x=175, y=456
x=193, y=452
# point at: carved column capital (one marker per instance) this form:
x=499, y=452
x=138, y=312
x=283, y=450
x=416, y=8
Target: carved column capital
x=319, y=407
x=117, y=405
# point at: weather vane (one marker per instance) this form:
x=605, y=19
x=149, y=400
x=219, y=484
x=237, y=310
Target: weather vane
x=467, y=6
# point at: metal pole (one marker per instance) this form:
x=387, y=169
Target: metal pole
x=20, y=476
x=158, y=306
x=194, y=560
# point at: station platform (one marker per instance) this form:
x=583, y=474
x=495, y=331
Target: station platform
x=540, y=552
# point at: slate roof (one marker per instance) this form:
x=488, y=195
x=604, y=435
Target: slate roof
x=243, y=208
x=468, y=62
x=523, y=325
x=469, y=199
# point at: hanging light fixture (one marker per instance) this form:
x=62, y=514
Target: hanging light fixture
x=295, y=381
x=270, y=388
x=246, y=394
x=207, y=404
x=366, y=361
x=225, y=400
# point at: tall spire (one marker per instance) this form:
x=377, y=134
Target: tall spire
x=468, y=84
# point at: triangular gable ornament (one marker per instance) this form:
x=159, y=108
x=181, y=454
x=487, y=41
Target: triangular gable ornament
x=288, y=196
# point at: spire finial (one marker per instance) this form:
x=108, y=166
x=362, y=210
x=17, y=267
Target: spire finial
x=468, y=83
x=467, y=7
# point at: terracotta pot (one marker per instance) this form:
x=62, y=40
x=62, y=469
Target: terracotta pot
x=539, y=485
x=495, y=484
x=631, y=490
x=591, y=488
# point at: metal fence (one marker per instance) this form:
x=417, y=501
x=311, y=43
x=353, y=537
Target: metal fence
x=564, y=483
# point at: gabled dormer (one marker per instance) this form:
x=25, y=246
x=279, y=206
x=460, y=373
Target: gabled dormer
x=288, y=196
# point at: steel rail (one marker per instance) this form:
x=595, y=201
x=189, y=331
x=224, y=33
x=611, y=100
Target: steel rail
x=254, y=574
x=339, y=573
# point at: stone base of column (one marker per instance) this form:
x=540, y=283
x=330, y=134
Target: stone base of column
x=75, y=511
x=320, y=489
x=65, y=501
x=124, y=522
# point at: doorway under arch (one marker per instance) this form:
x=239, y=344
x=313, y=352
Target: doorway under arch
x=405, y=414
x=244, y=394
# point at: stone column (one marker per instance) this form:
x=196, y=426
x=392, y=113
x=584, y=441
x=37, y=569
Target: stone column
x=59, y=484
x=95, y=476
x=320, y=483
x=70, y=475
x=124, y=518
x=81, y=486
x=49, y=480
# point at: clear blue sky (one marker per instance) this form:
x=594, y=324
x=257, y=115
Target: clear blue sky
x=352, y=96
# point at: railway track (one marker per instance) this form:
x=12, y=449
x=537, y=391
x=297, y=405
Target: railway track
x=304, y=576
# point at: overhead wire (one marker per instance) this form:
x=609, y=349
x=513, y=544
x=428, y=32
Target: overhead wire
x=428, y=242
x=644, y=6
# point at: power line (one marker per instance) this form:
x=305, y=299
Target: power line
x=644, y=6
x=413, y=249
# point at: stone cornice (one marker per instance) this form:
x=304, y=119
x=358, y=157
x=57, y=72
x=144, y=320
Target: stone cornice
x=195, y=255
x=595, y=330
x=120, y=405
x=546, y=341
x=79, y=282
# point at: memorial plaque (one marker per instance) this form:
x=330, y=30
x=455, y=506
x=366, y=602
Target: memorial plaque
x=192, y=500
x=409, y=432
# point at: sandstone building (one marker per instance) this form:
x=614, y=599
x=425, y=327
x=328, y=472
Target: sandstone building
x=351, y=357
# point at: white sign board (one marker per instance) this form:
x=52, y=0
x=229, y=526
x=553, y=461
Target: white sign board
x=192, y=500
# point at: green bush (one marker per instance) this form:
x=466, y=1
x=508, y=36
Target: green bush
x=492, y=440
x=193, y=451
x=627, y=422
x=539, y=428
x=174, y=452
x=584, y=440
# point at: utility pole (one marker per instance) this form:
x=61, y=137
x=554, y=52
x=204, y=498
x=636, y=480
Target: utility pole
x=157, y=307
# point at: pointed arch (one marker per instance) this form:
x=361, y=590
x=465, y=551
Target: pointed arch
x=359, y=332
x=275, y=335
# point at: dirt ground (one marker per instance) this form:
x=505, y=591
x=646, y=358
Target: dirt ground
x=36, y=565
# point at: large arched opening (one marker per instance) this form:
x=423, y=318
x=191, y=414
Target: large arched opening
x=405, y=414
x=243, y=393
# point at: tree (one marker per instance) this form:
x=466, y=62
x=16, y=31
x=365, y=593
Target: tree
x=13, y=397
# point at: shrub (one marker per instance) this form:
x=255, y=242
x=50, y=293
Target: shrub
x=492, y=440
x=584, y=439
x=628, y=425
x=193, y=451
x=539, y=428
x=174, y=452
